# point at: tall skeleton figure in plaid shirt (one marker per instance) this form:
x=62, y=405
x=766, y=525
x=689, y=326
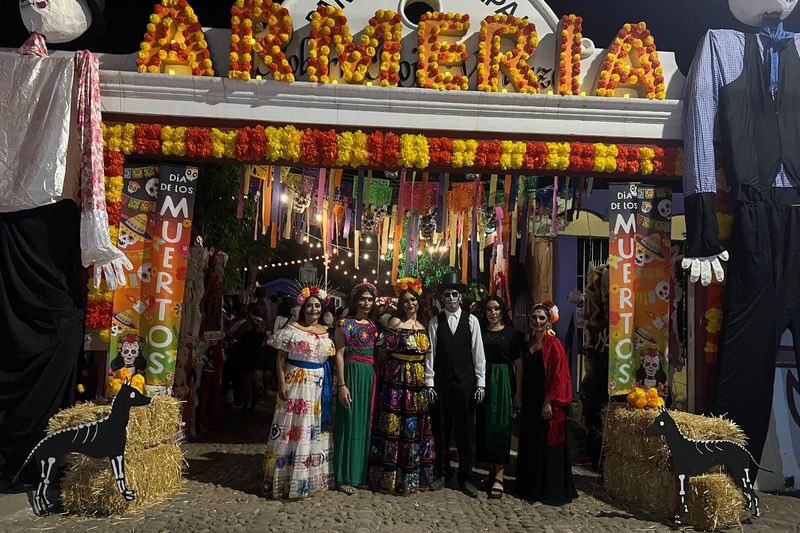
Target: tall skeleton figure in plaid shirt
x=752, y=82
x=50, y=160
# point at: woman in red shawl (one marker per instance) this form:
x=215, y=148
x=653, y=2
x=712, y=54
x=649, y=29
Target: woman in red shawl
x=544, y=390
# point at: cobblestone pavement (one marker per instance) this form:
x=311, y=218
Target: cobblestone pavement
x=222, y=494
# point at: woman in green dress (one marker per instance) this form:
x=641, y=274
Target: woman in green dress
x=355, y=347
x=503, y=345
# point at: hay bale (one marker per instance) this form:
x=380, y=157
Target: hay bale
x=88, y=487
x=625, y=426
x=153, y=459
x=715, y=502
x=638, y=471
x=641, y=484
x=150, y=425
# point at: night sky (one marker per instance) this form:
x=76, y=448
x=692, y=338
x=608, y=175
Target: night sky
x=676, y=24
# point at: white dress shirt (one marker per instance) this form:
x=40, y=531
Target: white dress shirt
x=478, y=356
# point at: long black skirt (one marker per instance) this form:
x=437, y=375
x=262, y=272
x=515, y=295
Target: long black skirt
x=544, y=473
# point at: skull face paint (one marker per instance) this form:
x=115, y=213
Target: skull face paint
x=451, y=299
x=129, y=352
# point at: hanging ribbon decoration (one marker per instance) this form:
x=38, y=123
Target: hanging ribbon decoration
x=474, y=243
x=244, y=186
x=554, y=213
x=321, y=190
x=440, y=195
x=526, y=225
x=360, y=201
x=275, y=208
x=398, y=230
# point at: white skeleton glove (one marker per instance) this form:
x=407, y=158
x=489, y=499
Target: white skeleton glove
x=704, y=268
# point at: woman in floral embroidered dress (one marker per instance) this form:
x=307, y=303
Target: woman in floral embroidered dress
x=401, y=449
x=298, y=457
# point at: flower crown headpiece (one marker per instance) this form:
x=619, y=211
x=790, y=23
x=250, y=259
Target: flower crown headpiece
x=312, y=289
x=364, y=286
x=552, y=310
x=411, y=284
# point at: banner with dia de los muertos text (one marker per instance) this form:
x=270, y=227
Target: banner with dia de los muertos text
x=639, y=279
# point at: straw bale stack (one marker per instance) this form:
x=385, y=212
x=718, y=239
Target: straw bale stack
x=153, y=459
x=637, y=469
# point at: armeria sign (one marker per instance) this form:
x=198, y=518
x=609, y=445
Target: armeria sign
x=486, y=45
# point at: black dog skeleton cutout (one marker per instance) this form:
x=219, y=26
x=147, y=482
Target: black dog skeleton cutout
x=692, y=457
x=103, y=438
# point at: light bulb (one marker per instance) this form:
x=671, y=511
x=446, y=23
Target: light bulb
x=259, y=267
x=349, y=254
x=318, y=217
x=368, y=240
x=366, y=256
x=345, y=272
x=391, y=246
x=373, y=271
x=383, y=257
x=284, y=198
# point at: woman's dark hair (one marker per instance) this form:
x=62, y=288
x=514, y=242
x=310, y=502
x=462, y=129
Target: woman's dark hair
x=254, y=309
x=302, y=316
x=422, y=317
x=503, y=310
x=353, y=305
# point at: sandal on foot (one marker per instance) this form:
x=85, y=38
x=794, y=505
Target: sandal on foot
x=347, y=489
x=496, y=493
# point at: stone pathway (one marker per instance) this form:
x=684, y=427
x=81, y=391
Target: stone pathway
x=222, y=494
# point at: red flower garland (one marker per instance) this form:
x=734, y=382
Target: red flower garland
x=535, y=155
x=383, y=149
x=488, y=154
x=113, y=163
x=98, y=315
x=628, y=159
x=198, y=142
x=251, y=143
x=581, y=156
x=319, y=148
x=147, y=139
x=440, y=151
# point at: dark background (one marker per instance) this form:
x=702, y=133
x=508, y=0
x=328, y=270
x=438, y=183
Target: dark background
x=677, y=25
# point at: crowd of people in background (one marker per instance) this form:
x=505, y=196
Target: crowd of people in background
x=358, y=407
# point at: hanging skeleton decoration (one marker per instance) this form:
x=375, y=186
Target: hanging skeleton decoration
x=368, y=222
x=427, y=224
x=301, y=203
x=104, y=438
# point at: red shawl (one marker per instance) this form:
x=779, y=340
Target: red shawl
x=557, y=388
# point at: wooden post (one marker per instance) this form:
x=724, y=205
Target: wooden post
x=540, y=269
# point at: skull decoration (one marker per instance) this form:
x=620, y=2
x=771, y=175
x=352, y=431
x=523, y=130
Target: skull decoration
x=145, y=272
x=368, y=222
x=665, y=208
x=129, y=349
x=427, y=224
x=487, y=218
x=651, y=363
x=152, y=187
x=301, y=203
x=380, y=212
x=662, y=290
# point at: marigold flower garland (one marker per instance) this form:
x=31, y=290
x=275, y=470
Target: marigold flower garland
x=246, y=44
x=514, y=63
x=434, y=54
x=174, y=37
x=569, y=81
x=632, y=38
x=385, y=149
x=99, y=300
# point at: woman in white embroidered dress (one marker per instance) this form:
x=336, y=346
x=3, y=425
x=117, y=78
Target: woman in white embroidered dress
x=298, y=457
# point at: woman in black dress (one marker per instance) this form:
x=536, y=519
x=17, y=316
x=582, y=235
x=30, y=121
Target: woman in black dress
x=544, y=390
x=503, y=345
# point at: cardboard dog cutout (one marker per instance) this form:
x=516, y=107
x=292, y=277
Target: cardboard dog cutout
x=103, y=438
x=692, y=457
